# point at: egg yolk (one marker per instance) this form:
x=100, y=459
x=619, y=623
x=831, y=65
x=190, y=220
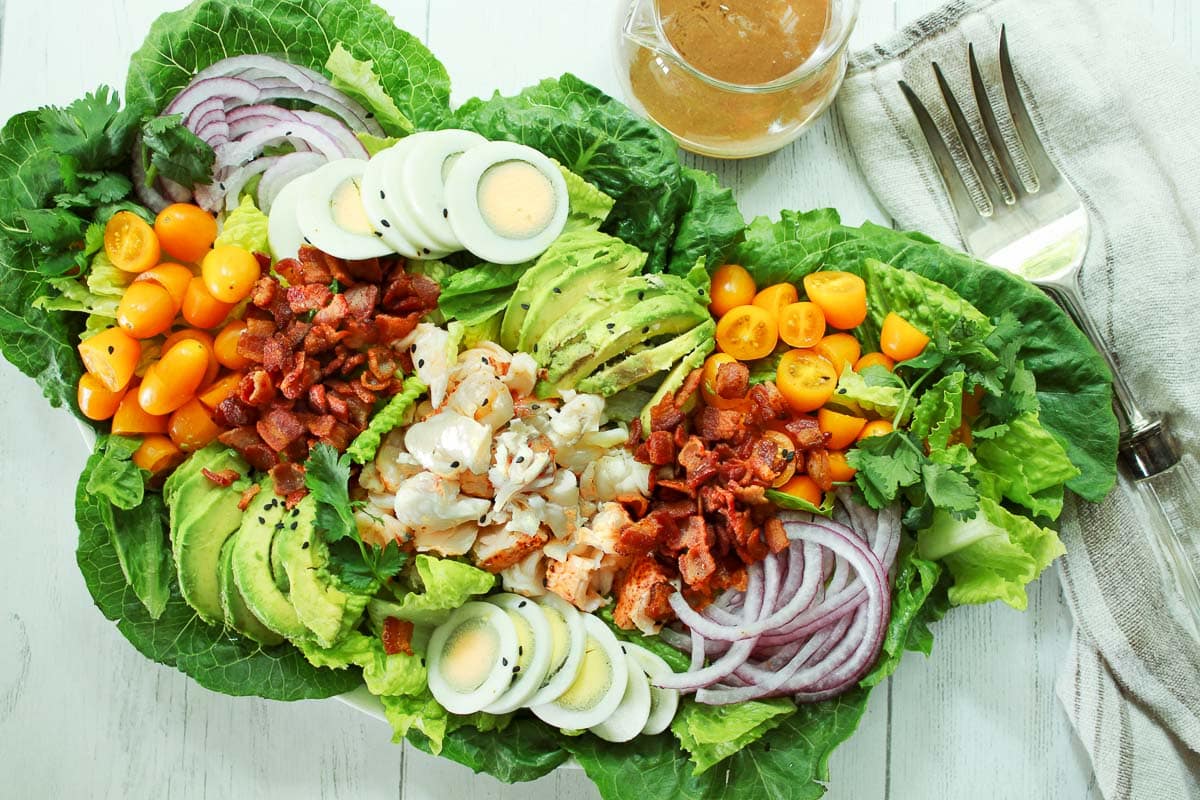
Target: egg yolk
x=517, y=201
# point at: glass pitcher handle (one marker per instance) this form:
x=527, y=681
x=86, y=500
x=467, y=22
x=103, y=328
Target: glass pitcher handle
x=1171, y=500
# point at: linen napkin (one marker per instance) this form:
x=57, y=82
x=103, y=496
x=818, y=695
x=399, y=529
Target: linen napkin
x=1119, y=113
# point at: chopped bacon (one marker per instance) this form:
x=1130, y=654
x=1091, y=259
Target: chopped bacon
x=766, y=403
x=666, y=415
x=733, y=380
x=248, y=496
x=288, y=478
x=308, y=297
x=715, y=424
x=233, y=412
x=265, y=290
x=816, y=464
x=362, y=300
x=805, y=432
x=397, y=636
x=643, y=536
x=279, y=428
x=224, y=477
x=660, y=448
x=776, y=536
x=256, y=389
x=690, y=385
x=391, y=328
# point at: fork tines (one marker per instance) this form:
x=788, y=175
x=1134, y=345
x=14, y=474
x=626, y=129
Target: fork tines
x=1002, y=186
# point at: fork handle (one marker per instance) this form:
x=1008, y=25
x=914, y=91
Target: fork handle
x=1133, y=421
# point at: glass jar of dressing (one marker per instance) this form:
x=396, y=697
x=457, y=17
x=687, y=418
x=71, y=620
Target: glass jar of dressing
x=734, y=78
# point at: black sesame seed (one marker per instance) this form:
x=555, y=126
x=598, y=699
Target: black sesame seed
x=524, y=306
x=484, y=359
x=504, y=662
x=841, y=391
x=422, y=662
x=445, y=213
x=382, y=196
x=386, y=224
x=611, y=326
x=484, y=403
x=420, y=362
x=111, y=349
x=557, y=290
x=646, y=329
x=278, y=526
x=262, y=521
x=294, y=524
x=380, y=235
x=426, y=250
x=520, y=459
x=516, y=669
x=304, y=546
x=289, y=133
x=483, y=519
x=641, y=295
x=520, y=650
x=522, y=604
x=222, y=186
x=536, y=407
x=307, y=240
x=454, y=465
x=623, y=650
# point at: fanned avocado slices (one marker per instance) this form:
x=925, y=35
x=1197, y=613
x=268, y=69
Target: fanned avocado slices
x=649, y=362
x=237, y=614
x=675, y=379
x=265, y=517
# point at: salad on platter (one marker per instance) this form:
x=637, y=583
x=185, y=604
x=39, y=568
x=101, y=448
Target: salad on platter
x=504, y=416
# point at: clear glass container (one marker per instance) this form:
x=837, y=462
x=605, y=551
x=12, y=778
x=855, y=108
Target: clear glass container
x=694, y=97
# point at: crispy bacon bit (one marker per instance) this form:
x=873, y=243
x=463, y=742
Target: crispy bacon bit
x=256, y=389
x=232, y=412
x=362, y=300
x=733, y=380
x=248, y=496
x=806, y=433
x=776, y=536
x=715, y=424
x=690, y=385
x=766, y=403
x=816, y=463
x=288, y=478
x=666, y=415
x=397, y=636
x=660, y=448
x=224, y=477
x=265, y=290
x=279, y=428
x=308, y=297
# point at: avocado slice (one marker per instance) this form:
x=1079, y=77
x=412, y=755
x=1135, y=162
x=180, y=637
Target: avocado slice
x=574, y=283
x=675, y=379
x=237, y=614
x=658, y=315
x=277, y=570
x=321, y=606
x=568, y=250
x=649, y=362
x=203, y=515
x=251, y=558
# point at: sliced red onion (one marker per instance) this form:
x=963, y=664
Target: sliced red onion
x=248, y=123
x=241, y=176
x=345, y=137
x=282, y=172
x=251, y=145
x=253, y=65
x=194, y=121
x=327, y=98
x=229, y=89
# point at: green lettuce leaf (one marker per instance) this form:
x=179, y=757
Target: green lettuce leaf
x=918, y=599
x=711, y=227
x=526, y=750
x=858, y=394
x=391, y=416
x=114, y=476
x=710, y=734
x=385, y=675
x=1030, y=465
x=443, y=585
x=992, y=556
x=420, y=713
x=794, y=503
x=1074, y=388
x=629, y=159
x=589, y=206
x=939, y=412
x=374, y=144
x=246, y=227
x=304, y=32
x=98, y=294
x=359, y=80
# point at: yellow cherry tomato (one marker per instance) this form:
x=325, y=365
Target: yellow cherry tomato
x=174, y=379
x=747, y=333
x=191, y=426
x=805, y=488
x=130, y=243
x=731, y=286
x=227, y=343
x=775, y=298
x=96, y=400
x=158, y=454
x=112, y=356
x=172, y=277
x=841, y=295
x=229, y=273
x=201, y=309
x=801, y=324
x=874, y=360
x=805, y=379
x=842, y=429
x=203, y=338
x=899, y=339
x=185, y=231
x=146, y=310
x=840, y=469
x=221, y=389
x=877, y=427
x=132, y=420
x=841, y=349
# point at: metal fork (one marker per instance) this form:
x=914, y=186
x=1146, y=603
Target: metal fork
x=1040, y=231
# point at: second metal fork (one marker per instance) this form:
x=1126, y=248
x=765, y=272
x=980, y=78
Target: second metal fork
x=1039, y=230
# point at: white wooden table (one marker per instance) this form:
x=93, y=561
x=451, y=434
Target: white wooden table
x=83, y=715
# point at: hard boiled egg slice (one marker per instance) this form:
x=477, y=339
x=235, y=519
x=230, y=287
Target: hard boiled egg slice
x=471, y=657
x=598, y=688
x=331, y=216
x=568, y=639
x=375, y=202
x=634, y=709
x=663, y=702
x=533, y=651
x=283, y=231
x=431, y=158
x=506, y=202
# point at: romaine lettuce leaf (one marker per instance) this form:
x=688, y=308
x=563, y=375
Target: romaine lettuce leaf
x=444, y=585
x=589, y=206
x=918, y=599
x=304, y=32
x=711, y=226
x=359, y=80
x=939, y=412
x=991, y=556
x=710, y=734
x=246, y=227
x=385, y=675
x=857, y=394
x=1030, y=465
x=366, y=444
x=417, y=712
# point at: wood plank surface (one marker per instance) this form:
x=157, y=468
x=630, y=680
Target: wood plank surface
x=83, y=715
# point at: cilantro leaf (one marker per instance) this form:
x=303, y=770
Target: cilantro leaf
x=93, y=130
x=885, y=464
x=172, y=151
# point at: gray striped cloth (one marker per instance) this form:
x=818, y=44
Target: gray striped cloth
x=1120, y=114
